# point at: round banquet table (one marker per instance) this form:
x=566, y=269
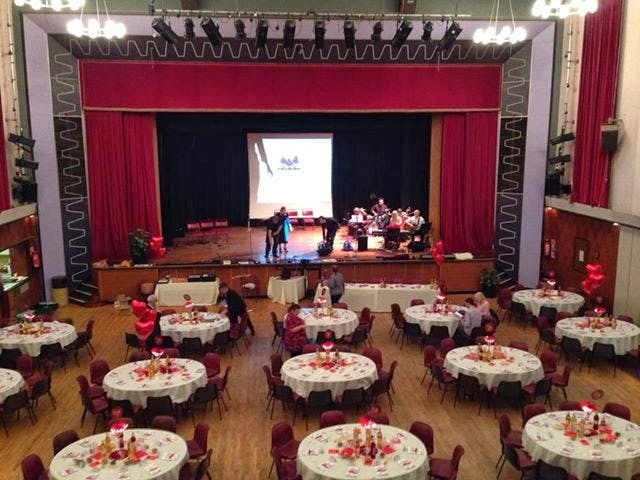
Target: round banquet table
x=567, y=302
x=209, y=324
x=625, y=337
x=54, y=332
x=11, y=382
x=304, y=375
x=128, y=382
x=544, y=439
x=343, y=322
x=517, y=366
x=164, y=464
x=318, y=458
x=424, y=316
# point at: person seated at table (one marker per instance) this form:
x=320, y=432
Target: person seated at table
x=482, y=304
x=235, y=305
x=329, y=229
x=471, y=318
x=295, y=336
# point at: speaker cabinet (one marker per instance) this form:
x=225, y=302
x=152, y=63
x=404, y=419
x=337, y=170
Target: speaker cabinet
x=609, y=137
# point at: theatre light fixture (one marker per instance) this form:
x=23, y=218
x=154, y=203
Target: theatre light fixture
x=349, y=33
x=563, y=8
x=21, y=140
x=164, y=30
x=319, y=29
x=402, y=33
x=262, y=28
x=450, y=36
x=55, y=5
x=212, y=30
x=563, y=137
x=189, y=31
x=289, y=33
x=376, y=36
x=427, y=30
x=497, y=33
x=240, y=29
x=95, y=27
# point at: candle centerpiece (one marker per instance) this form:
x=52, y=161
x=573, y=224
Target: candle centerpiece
x=589, y=424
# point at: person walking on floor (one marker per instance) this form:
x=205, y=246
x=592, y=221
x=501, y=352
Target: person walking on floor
x=335, y=284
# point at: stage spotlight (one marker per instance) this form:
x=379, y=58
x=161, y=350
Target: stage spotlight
x=565, y=137
x=165, y=30
x=402, y=33
x=261, y=33
x=376, y=36
x=427, y=30
x=240, y=33
x=21, y=140
x=289, y=33
x=189, y=32
x=212, y=30
x=22, y=163
x=349, y=34
x=450, y=36
x=319, y=29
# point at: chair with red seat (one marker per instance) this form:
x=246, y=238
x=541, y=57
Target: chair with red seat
x=293, y=217
x=417, y=301
x=549, y=361
x=96, y=405
x=508, y=437
x=429, y=356
x=444, y=468
x=341, y=305
x=64, y=439
x=561, y=380
x=164, y=422
x=276, y=364
x=443, y=378
x=97, y=371
x=222, y=385
x=211, y=361
x=468, y=387
x=24, y=365
x=617, y=410
x=509, y=391
x=138, y=356
x=172, y=352
x=13, y=404
x=541, y=388
x=425, y=433
x=278, y=332
x=518, y=459
x=446, y=345
x=625, y=318
x=197, y=447
x=283, y=444
x=32, y=468
x=375, y=355
x=331, y=418
x=91, y=391
x=571, y=347
x=531, y=410
x=544, y=471
x=307, y=217
x=570, y=405
x=519, y=345
x=202, y=468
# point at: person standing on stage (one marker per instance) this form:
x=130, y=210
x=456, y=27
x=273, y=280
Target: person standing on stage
x=286, y=228
x=235, y=306
x=274, y=226
x=329, y=229
x=379, y=208
x=335, y=284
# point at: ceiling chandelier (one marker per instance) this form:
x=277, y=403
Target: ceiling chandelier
x=563, y=8
x=55, y=5
x=509, y=33
x=95, y=28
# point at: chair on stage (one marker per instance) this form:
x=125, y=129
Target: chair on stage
x=293, y=217
x=220, y=228
x=307, y=217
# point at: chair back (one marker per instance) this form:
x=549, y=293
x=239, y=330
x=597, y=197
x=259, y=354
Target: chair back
x=549, y=312
x=380, y=418
x=160, y=406
x=131, y=339
x=375, y=355
x=283, y=393
x=201, y=435
x=319, y=399
x=353, y=396
x=603, y=350
x=439, y=332
x=203, y=465
x=504, y=424
x=24, y=365
x=39, y=388
x=225, y=378
x=84, y=385
x=90, y=325
x=519, y=345
x=417, y=301
x=617, y=410
x=164, y=422
x=64, y=439
x=519, y=310
x=544, y=471
x=281, y=434
x=446, y=345
x=549, y=360
x=598, y=476
x=531, y=410
x=543, y=323
x=325, y=336
x=625, y=318
x=425, y=433
x=32, y=468
x=571, y=345
x=395, y=309
x=212, y=361
x=173, y=352
x=467, y=386
x=458, y=452
x=570, y=405
x=341, y=305
x=543, y=387
x=138, y=356
x=429, y=355
x=331, y=418
x=191, y=347
x=97, y=371
x=509, y=390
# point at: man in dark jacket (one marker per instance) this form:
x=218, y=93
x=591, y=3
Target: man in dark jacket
x=236, y=306
x=329, y=228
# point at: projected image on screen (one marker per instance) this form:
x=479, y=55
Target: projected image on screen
x=293, y=170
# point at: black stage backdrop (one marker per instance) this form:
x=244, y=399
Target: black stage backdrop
x=204, y=170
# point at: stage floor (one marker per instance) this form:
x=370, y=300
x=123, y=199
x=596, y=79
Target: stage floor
x=243, y=244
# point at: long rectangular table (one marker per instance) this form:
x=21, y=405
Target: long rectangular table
x=379, y=299
x=172, y=294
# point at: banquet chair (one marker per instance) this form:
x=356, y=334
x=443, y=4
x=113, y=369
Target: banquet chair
x=221, y=228
x=124, y=408
x=97, y=406
x=429, y=356
x=511, y=392
x=368, y=329
x=203, y=397
x=239, y=332
x=320, y=400
x=549, y=361
x=307, y=217
x=570, y=405
x=443, y=378
x=287, y=398
x=283, y=444
x=531, y=410
x=445, y=469
x=201, y=308
x=519, y=345
x=518, y=459
x=425, y=433
x=341, y=305
x=325, y=336
x=132, y=341
x=380, y=418
x=446, y=345
x=32, y=468
x=162, y=405
x=44, y=380
x=278, y=332
x=167, y=311
x=519, y=312
x=97, y=370
x=617, y=410
x=375, y=355
x=544, y=471
x=13, y=404
x=399, y=324
x=9, y=357
x=384, y=374
x=171, y=353
x=599, y=476
x=85, y=337
x=293, y=217
x=331, y=418
x=417, y=301
x=118, y=422
x=625, y=318
x=508, y=437
x=606, y=352
x=381, y=386
x=357, y=338
x=276, y=364
x=64, y=439
x=351, y=397
x=53, y=352
x=221, y=343
x=571, y=347
x=436, y=335
x=211, y=361
x=138, y=356
x=550, y=312
x=222, y=384
x=164, y=422
x=271, y=384
x=504, y=301
x=468, y=387
x=537, y=389
x=191, y=347
x=412, y=332
x=24, y=365
x=203, y=466
x=310, y=348
x=561, y=380
x=197, y=447
x=545, y=334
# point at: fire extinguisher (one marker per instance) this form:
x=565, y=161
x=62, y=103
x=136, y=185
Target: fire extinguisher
x=547, y=247
x=35, y=257
x=553, y=248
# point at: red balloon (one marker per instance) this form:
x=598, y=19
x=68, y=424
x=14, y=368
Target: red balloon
x=439, y=259
x=144, y=328
x=590, y=267
x=440, y=246
x=586, y=286
x=138, y=308
x=489, y=328
x=434, y=252
x=596, y=277
x=551, y=274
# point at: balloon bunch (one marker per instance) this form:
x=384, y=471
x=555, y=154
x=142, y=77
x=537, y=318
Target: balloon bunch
x=146, y=318
x=156, y=247
x=437, y=252
x=594, y=278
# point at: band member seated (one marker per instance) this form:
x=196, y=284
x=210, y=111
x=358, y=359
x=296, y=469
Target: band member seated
x=416, y=225
x=392, y=236
x=329, y=229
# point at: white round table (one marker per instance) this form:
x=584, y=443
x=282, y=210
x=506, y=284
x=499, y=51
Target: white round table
x=516, y=366
x=533, y=299
x=319, y=458
x=129, y=381
x=208, y=325
x=342, y=322
x=30, y=344
x=544, y=439
x=11, y=382
x=162, y=464
x=304, y=375
x=427, y=317
x=625, y=337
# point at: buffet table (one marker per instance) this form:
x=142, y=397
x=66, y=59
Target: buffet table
x=287, y=291
x=172, y=294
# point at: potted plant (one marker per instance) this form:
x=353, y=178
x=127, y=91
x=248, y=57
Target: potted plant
x=139, y=245
x=489, y=282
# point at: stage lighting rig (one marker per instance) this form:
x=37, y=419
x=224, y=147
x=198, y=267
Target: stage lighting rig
x=319, y=28
x=450, y=36
x=564, y=137
x=402, y=33
x=212, y=31
x=262, y=28
x=376, y=36
x=165, y=31
x=349, y=33
x=427, y=30
x=189, y=31
x=29, y=164
x=240, y=29
x=21, y=141
x=289, y=33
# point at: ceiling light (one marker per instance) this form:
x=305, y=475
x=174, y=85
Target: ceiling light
x=319, y=29
x=427, y=30
x=240, y=33
x=165, y=30
x=349, y=34
x=261, y=33
x=94, y=27
x=402, y=33
x=55, y=5
x=289, y=33
x=563, y=8
x=376, y=36
x=450, y=36
x=212, y=31
x=494, y=34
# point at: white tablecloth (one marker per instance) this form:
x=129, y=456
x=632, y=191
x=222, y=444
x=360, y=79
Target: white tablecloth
x=342, y=322
x=172, y=294
x=171, y=454
x=567, y=302
x=10, y=382
x=379, y=299
x=518, y=366
x=625, y=337
x=123, y=383
x=424, y=316
x=408, y=461
x=55, y=332
x=287, y=291
x=544, y=439
x=304, y=375
x=206, y=329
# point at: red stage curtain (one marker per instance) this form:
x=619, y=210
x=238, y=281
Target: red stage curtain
x=596, y=104
x=122, y=184
x=5, y=200
x=467, y=198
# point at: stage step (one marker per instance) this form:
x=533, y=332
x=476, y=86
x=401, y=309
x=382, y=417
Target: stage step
x=83, y=292
x=78, y=301
x=89, y=286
